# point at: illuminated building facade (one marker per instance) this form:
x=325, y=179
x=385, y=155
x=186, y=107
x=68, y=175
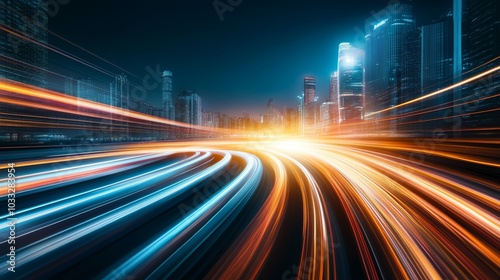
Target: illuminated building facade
x=350, y=84
x=311, y=106
x=386, y=33
x=309, y=89
x=333, y=99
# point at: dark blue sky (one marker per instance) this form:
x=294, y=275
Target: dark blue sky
x=261, y=50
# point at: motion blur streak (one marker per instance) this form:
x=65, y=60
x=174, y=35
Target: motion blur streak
x=314, y=260
x=31, y=97
x=464, y=82
x=268, y=209
x=246, y=256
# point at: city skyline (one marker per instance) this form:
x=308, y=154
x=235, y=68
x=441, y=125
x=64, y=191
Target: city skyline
x=238, y=139
x=310, y=51
x=396, y=61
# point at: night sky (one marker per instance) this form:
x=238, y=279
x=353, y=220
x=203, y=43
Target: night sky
x=261, y=50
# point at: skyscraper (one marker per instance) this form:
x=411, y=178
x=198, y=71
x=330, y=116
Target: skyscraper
x=333, y=87
x=476, y=41
x=411, y=82
x=350, y=83
x=23, y=60
x=311, y=106
x=437, y=55
x=119, y=97
x=437, y=71
x=327, y=122
x=188, y=108
x=85, y=91
x=168, y=104
x=386, y=32
x=309, y=89
x=483, y=26
x=333, y=99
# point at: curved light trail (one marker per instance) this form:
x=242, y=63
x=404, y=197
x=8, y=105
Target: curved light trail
x=277, y=209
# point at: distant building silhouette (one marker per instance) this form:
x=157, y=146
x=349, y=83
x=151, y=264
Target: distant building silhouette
x=167, y=99
x=436, y=73
x=120, y=97
x=476, y=41
x=22, y=60
x=188, y=108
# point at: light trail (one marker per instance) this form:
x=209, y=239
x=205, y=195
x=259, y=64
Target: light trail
x=367, y=211
x=368, y=207
x=15, y=94
x=459, y=84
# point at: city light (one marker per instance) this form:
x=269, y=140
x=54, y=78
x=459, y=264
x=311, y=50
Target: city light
x=251, y=141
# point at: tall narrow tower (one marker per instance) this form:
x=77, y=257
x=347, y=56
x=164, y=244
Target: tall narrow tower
x=333, y=99
x=309, y=89
x=167, y=102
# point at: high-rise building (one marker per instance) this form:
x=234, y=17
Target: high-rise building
x=309, y=89
x=480, y=25
x=333, y=99
x=436, y=72
x=188, y=108
x=23, y=60
x=167, y=99
x=409, y=120
x=483, y=32
x=387, y=31
x=334, y=87
x=311, y=105
x=85, y=91
x=350, y=84
x=437, y=56
x=119, y=97
x=327, y=122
